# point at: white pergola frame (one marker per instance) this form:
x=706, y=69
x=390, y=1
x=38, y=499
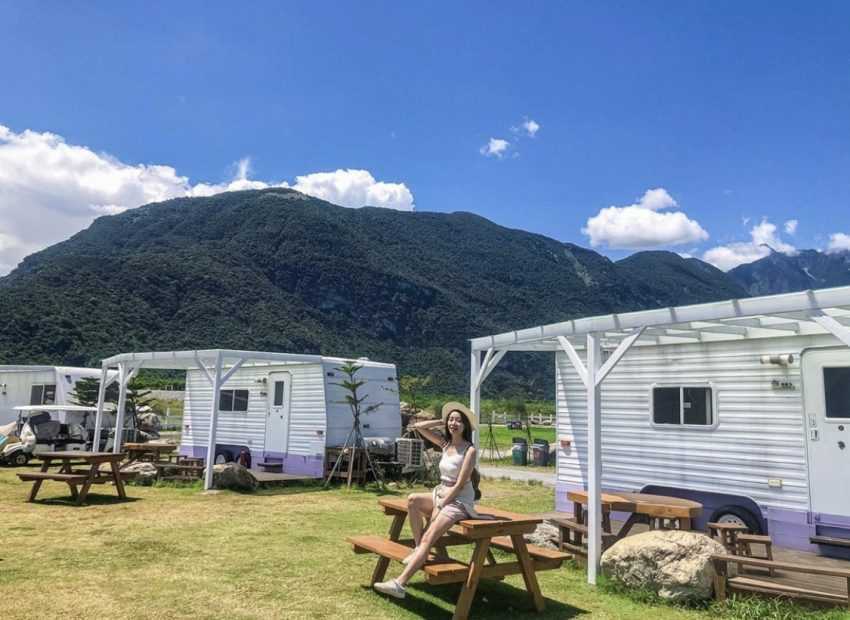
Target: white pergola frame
x=216, y=365
x=825, y=311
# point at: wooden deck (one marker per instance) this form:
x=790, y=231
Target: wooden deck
x=269, y=478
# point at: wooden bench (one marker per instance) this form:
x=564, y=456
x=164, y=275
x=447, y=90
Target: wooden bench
x=74, y=478
x=184, y=472
x=724, y=582
x=572, y=537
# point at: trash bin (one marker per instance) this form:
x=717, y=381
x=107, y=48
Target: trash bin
x=520, y=451
x=540, y=452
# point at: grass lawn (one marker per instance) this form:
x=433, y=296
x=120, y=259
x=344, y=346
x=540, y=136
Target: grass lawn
x=175, y=552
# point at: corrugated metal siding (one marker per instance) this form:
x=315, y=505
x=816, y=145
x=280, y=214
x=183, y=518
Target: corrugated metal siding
x=306, y=414
x=381, y=387
x=760, y=434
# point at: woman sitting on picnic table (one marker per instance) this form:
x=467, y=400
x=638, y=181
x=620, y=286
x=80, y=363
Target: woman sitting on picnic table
x=451, y=501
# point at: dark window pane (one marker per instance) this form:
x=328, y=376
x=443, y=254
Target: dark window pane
x=697, y=405
x=225, y=400
x=36, y=393
x=836, y=383
x=240, y=400
x=278, y=393
x=49, y=395
x=665, y=405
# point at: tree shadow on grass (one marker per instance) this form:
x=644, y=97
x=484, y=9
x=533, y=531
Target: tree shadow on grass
x=493, y=599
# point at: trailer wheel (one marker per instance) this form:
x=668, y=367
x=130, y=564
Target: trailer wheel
x=223, y=456
x=738, y=516
x=20, y=459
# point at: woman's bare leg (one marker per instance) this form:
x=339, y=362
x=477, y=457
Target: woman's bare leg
x=418, y=506
x=439, y=526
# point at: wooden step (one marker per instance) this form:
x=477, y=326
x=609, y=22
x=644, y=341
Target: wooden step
x=535, y=551
x=765, y=586
x=38, y=475
x=830, y=540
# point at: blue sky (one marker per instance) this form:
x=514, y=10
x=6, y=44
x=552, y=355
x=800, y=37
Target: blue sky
x=738, y=111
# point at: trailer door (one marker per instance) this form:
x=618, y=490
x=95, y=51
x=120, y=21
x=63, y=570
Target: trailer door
x=826, y=385
x=277, y=420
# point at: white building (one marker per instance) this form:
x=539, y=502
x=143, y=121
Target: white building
x=742, y=405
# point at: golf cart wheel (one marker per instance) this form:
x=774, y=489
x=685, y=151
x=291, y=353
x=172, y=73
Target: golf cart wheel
x=223, y=456
x=737, y=516
x=20, y=459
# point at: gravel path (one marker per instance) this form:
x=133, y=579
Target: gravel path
x=515, y=473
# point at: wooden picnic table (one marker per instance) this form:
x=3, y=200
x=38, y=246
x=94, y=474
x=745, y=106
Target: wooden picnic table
x=655, y=510
x=74, y=477
x=504, y=531
x=149, y=451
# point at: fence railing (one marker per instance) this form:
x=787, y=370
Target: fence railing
x=539, y=419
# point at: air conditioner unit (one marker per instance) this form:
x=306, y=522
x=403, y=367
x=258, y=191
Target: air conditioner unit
x=410, y=452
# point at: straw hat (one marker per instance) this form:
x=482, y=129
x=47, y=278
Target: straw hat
x=460, y=407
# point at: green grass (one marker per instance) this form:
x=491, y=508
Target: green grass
x=176, y=552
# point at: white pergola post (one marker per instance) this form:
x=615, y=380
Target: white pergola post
x=592, y=374
x=101, y=398
x=594, y=456
x=475, y=380
x=122, y=403
x=216, y=388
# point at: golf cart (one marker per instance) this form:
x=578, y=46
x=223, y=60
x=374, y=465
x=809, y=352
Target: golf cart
x=44, y=428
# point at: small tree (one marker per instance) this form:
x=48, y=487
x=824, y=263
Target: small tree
x=519, y=407
x=356, y=402
x=412, y=386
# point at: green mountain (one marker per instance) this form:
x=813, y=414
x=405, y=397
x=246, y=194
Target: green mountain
x=275, y=270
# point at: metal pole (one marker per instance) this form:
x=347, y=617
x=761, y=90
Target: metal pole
x=216, y=388
x=594, y=458
x=101, y=397
x=475, y=394
x=122, y=403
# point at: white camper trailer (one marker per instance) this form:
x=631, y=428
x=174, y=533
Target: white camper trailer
x=742, y=405
x=38, y=385
x=278, y=407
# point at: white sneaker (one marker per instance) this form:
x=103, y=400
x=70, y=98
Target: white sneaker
x=391, y=588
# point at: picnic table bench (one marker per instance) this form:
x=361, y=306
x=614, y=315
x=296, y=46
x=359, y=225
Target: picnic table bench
x=656, y=511
x=151, y=451
x=504, y=531
x=84, y=478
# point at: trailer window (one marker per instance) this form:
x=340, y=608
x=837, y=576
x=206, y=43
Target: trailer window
x=233, y=400
x=683, y=405
x=836, y=383
x=43, y=394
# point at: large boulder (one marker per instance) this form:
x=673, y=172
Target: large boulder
x=146, y=473
x=674, y=564
x=233, y=476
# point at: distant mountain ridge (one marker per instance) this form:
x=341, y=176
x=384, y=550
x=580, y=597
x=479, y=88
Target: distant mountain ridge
x=276, y=270
x=784, y=273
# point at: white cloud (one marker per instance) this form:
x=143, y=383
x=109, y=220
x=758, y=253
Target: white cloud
x=529, y=127
x=642, y=225
x=355, y=188
x=763, y=239
x=791, y=227
x=495, y=147
x=838, y=242
x=50, y=189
